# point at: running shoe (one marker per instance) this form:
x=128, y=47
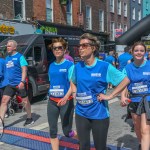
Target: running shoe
x=29, y=121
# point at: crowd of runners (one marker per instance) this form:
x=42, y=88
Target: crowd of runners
x=86, y=82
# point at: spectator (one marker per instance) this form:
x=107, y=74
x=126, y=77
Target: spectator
x=16, y=70
x=67, y=56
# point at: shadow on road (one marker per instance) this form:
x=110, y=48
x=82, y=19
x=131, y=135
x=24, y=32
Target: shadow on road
x=23, y=118
x=126, y=141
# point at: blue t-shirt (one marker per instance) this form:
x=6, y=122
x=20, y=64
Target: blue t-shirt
x=59, y=76
x=110, y=59
x=90, y=81
x=13, y=68
x=123, y=60
x=139, y=77
x=3, y=76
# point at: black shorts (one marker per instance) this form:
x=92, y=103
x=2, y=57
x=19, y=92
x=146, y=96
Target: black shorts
x=12, y=90
x=133, y=107
x=1, y=93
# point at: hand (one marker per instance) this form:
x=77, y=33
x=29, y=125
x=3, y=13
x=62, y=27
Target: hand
x=101, y=97
x=21, y=85
x=124, y=101
x=62, y=102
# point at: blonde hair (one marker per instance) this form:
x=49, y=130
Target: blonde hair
x=14, y=42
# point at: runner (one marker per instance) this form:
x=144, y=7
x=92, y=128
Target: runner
x=16, y=70
x=124, y=58
x=61, y=102
x=91, y=77
x=138, y=72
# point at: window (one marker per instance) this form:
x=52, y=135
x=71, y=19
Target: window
x=88, y=18
x=133, y=13
x=125, y=28
x=146, y=5
x=119, y=25
x=125, y=9
x=119, y=7
x=69, y=12
x=139, y=1
x=112, y=29
x=101, y=20
x=111, y=5
x=37, y=53
x=19, y=9
x=139, y=14
x=49, y=10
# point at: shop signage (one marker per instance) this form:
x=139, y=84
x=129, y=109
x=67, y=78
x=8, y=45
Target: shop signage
x=7, y=29
x=118, y=32
x=49, y=30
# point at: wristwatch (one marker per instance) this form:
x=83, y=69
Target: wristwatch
x=23, y=82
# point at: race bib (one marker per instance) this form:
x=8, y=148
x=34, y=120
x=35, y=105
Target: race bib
x=56, y=91
x=84, y=98
x=139, y=88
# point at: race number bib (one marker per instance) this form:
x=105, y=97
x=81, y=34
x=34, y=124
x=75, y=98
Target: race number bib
x=139, y=88
x=84, y=98
x=56, y=91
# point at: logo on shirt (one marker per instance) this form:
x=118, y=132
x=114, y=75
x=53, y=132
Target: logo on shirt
x=146, y=73
x=95, y=74
x=14, y=58
x=10, y=64
x=62, y=70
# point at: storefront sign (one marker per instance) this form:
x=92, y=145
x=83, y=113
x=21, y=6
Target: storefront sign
x=49, y=30
x=7, y=29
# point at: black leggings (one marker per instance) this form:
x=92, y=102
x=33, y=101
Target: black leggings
x=99, y=130
x=66, y=115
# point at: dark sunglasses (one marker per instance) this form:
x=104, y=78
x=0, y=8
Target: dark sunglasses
x=58, y=48
x=85, y=45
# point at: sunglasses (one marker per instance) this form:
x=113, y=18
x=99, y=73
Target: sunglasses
x=59, y=48
x=85, y=45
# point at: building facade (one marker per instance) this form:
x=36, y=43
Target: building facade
x=146, y=8
x=135, y=11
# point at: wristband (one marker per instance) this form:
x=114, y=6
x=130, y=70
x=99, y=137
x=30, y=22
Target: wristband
x=23, y=82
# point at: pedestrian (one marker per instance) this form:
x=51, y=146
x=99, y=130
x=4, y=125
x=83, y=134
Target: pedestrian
x=148, y=56
x=16, y=71
x=60, y=98
x=68, y=57
x=91, y=77
x=138, y=73
x=3, y=77
x=124, y=58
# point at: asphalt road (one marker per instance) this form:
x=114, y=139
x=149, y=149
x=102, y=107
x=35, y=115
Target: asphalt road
x=119, y=131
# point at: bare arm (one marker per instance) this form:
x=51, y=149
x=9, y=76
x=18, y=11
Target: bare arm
x=116, y=91
x=23, y=78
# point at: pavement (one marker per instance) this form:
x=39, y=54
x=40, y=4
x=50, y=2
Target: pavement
x=119, y=134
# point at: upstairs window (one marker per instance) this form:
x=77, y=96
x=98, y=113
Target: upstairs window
x=111, y=5
x=19, y=9
x=49, y=10
x=69, y=12
x=101, y=20
x=133, y=13
x=139, y=14
x=112, y=31
x=119, y=7
x=88, y=18
x=125, y=9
